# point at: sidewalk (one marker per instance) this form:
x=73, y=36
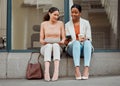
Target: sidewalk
x=92, y=81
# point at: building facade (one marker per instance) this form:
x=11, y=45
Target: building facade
x=20, y=26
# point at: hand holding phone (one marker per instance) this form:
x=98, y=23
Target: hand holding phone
x=68, y=37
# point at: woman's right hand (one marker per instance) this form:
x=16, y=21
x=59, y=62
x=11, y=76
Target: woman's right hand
x=61, y=42
x=43, y=42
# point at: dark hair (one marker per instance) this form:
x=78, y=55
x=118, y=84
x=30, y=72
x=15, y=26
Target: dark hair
x=51, y=10
x=77, y=6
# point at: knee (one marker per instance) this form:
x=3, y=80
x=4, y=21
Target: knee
x=87, y=43
x=76, y=43
x=48, y=45
x=56, y=45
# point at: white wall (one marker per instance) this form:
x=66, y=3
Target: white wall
x=3, y=17
x=18, y=21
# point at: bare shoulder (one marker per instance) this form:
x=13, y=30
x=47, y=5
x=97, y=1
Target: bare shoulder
x=44, y=23
x=60, y=22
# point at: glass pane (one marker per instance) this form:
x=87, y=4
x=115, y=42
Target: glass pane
x=103, y=22
x=26, y=18
x=3, y=17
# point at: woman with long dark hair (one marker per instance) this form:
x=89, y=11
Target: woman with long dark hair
x=52, y=35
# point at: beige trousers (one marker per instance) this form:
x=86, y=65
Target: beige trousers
x=50, y=50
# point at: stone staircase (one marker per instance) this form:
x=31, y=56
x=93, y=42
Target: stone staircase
x=102, y=31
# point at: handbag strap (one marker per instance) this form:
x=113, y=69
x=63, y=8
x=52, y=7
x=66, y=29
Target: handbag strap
x=37, y=58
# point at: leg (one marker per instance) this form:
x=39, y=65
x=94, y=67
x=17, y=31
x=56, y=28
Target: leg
x=56, y=70
x=87, y=52
x=56, y=51
x=47, y=50
x=46, y=73
x=75, y=50
x=76, y=57
x=56, y=58
x=87, y=57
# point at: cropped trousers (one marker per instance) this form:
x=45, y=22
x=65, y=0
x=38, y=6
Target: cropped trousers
x=51, y=50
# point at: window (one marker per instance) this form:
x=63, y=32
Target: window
x=20, y=23
x=26, y=18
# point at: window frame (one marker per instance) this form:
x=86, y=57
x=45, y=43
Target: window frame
x=9, y=17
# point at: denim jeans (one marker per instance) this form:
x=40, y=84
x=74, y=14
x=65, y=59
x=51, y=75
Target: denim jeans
x=77, y=49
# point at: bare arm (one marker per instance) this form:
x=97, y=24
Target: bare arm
x=62, y=33
x=42, y=34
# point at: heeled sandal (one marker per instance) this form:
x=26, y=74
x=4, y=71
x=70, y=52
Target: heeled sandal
x=85, y=77
x=78, y=78
x=55, y=77
x=46, y=77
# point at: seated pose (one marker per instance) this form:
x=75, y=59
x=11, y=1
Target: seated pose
x=52, y=35
x=80, y=43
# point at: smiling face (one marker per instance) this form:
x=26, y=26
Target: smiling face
x=75, y=14
x=54, y=16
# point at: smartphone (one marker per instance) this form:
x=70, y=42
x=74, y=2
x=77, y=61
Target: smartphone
x=68, y=37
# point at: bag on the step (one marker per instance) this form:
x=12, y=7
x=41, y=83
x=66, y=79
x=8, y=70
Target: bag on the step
x=34, y=70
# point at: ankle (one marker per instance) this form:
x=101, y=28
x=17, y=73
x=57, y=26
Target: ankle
x=86, y=71
x=77, y=74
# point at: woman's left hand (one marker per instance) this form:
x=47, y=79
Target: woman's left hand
x=61, y=42
x=82, y=39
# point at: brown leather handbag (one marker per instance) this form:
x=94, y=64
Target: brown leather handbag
x=34, y=70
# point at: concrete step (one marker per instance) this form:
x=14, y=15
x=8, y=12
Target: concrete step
x=13, y=65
